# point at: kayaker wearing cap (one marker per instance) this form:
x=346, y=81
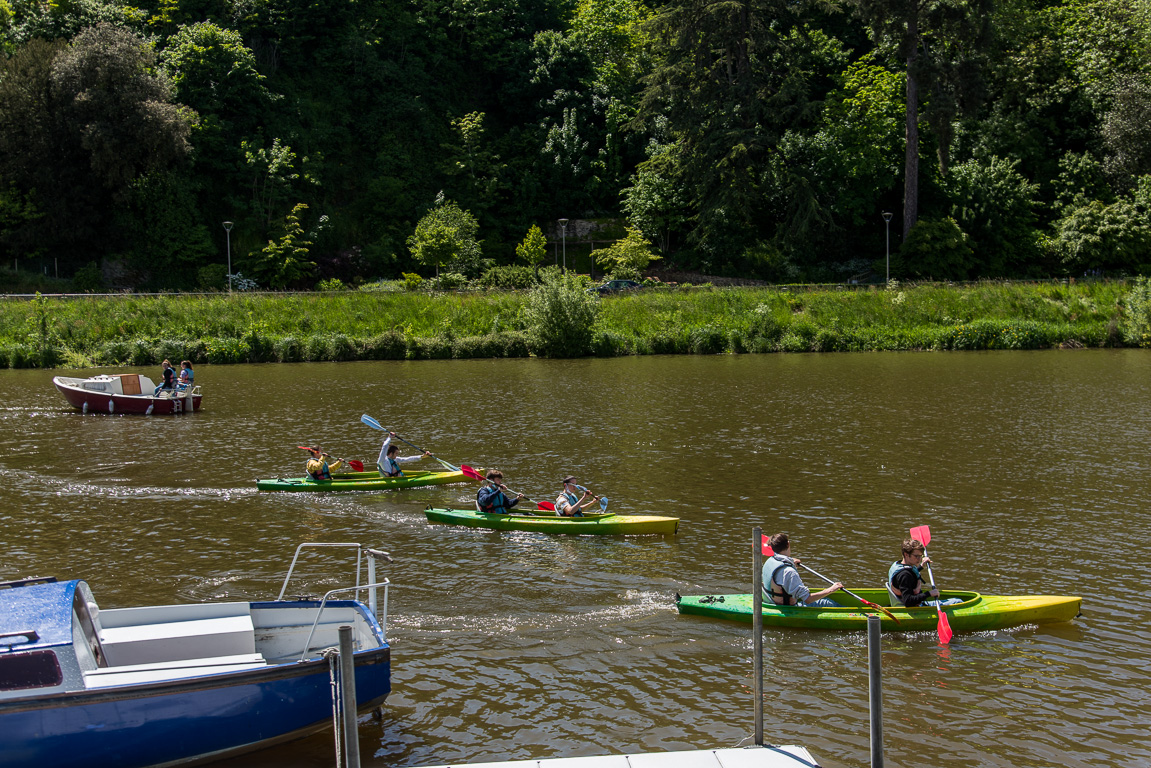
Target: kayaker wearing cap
x=905, y=578
x=318, y=466
x=389, y=463
x=569, y=503
x=491, y=499
x=782, y=584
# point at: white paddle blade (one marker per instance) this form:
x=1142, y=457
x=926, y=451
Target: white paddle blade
x=371, y=422
x=603, y=503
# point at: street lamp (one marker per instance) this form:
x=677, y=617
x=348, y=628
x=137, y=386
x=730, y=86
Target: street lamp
x=564, y=232
x=228, y=229
x=887, y=226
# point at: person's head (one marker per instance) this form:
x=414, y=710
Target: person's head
x=166, y=364
x=316, y=452
x=779, y=543
x=912, y=551
x=495, y=476
x=569, y=481
x=392, y=451
x=186, y=364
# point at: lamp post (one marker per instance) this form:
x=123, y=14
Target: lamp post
x=228, y=229
x=887, y=226
x=564, y=234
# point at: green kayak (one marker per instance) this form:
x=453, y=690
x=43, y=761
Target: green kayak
x=976, y=613
x=361, y=481
x=604, y=524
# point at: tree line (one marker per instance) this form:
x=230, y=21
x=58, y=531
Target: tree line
x=777, y=140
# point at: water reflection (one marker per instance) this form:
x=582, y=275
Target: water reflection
x=517, y=645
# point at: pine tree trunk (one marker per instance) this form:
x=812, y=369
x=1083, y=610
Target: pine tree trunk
x=911, y=161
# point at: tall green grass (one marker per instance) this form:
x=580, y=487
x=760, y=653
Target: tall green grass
x=221, y=329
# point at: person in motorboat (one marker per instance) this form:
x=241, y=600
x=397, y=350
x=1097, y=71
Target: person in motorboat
x=187, y=376
x=169, y=381
x=569, y=503
x=782, y=583
x=320, y=465
x=492, y=498
x=389, y=461
x=905, y=578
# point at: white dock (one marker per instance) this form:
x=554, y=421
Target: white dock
x=744, y=757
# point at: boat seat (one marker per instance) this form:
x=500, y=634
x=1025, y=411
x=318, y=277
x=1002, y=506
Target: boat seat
x=176, y=633
x=891, y=596
x=135, y=674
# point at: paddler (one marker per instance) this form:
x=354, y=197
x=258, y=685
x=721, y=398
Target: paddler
x=569, y=503
x=492, y=498
x=905, y=578
x=389, y=462
x=782, y=584
x=320, y=466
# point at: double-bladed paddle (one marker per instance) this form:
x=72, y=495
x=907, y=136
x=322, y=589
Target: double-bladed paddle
x=376, y=425
x=922, y=534
x=602, y=499
x=356, y=465
x=768, y=551
x=473, y=474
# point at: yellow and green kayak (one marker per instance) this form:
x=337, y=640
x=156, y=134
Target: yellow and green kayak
x=604, y=524
x=361, y=481
x=976, y=613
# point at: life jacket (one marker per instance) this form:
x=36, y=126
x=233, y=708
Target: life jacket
x=772, y=588
x=572, y=500
x=391, y=468
x=492, y=501
x=318, y=469
x=895, y=568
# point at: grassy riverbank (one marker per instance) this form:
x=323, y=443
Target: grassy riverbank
x=128, y=330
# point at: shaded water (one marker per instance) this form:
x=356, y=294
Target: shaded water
x=1030, y=468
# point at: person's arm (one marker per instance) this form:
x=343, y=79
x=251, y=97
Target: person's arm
x=793, y=585
x=824, y=592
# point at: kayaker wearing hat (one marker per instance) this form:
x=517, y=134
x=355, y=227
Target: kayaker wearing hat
x=318, y=466
x=782, y=584
x=569, y=503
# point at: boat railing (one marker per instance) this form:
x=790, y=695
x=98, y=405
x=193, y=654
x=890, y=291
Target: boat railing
x=362, y=552
x=324, y=602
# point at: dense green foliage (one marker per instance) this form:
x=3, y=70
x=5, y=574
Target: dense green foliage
x=560, y=318
x=754, y=138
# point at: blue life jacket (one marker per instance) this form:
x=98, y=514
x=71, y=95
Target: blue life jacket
x=572, y=501
x=895, y=568
x=772, y=588
x=492, y=501
x=323, y=473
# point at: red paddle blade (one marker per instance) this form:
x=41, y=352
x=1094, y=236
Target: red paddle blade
x=766, y=548
x=546, y=505
x=358, y=466
x=944, y=628
x=471, y=472
x=922, y=534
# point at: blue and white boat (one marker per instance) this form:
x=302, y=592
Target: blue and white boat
x=176, y=684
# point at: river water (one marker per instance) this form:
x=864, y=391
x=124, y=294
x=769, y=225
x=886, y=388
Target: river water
x=1031, y=468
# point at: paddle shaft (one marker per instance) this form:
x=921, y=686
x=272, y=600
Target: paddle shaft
x=829, y=581
x=366, y=419
x=470, y=472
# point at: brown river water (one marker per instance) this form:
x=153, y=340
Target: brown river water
x=1032, y=469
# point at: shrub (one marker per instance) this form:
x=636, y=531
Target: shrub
x=316, y=348
x=412, y=281
x=935, y=249
x=331, y=284
x=390, y=345
x=448, y=281
x=88, y=279
x=513, y=277
x=226, y=351
x=142, y=353
x=560, y=315
x=435, y=348
x=114, y=353
x=213, y=277
x=1136, y=323
x=341, y=348
x=707, y=340
x=609, y=344
x=288, y=349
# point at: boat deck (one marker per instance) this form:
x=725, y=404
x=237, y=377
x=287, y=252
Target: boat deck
x=747, y=757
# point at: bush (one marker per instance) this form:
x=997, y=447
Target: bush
x=511, y=278
x=213, y=277
x=142, y=353
x=707, y=340
x=226, y=351
x=390, y=345
x=114, y=353
x=609, y=344
x=1136, y=323
x=331, y=284
x=435, y=348
x=412, y=281
x=88, y=279
x=935, y=249
x=288, y=349
x=560, y=315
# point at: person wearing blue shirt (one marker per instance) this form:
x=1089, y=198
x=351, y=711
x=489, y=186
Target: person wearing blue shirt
x=493, y=499
x=187, y=376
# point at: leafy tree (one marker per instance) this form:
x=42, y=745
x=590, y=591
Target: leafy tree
x=471, y=160
x=169, y=239
x=1127, y=131
x=1115, y=237
x=626, y=258
x=446, y=235
x=284, y=263
x=272, y=176
x=657, y=200
x=995, y=205
x=534, y=249
x=561, y=315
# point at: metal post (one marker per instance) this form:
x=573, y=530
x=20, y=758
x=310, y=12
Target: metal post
x=757, y=628
x=875, y=691
x=887, y=226
x=348, y=699
x=228, y=229
x=564, y=235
